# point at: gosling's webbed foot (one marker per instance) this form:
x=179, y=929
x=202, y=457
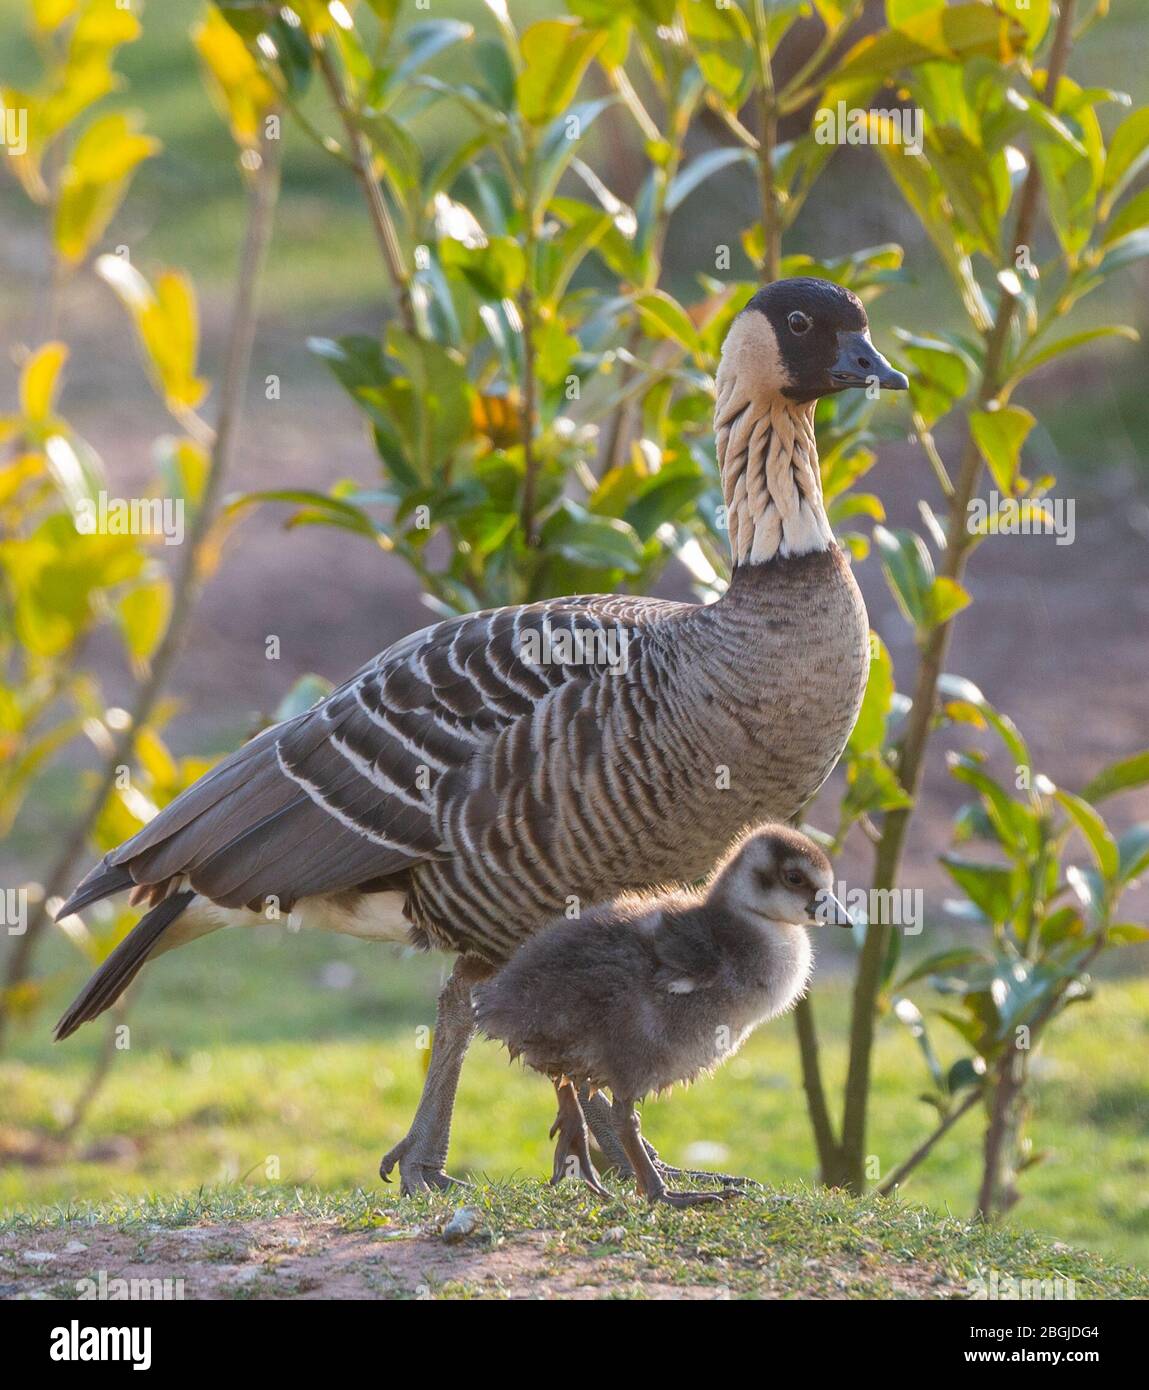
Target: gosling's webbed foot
x=419, y=1169
x=694, y=1199
x=730, y=1181
x=670, y=1174
x=572, y=1149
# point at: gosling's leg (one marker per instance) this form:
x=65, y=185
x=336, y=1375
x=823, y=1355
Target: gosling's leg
x=423, y=1152
x=572, y=1151
x=650, y=1182
x=600, y=1118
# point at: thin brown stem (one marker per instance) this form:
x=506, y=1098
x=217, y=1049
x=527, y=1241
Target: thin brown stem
x=381, y=220
x=529, y=394
x=819, y=1111
x=767, y=143
x=911, y=757
x=925, y=1148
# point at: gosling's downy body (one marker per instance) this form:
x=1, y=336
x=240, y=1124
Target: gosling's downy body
x=650, y=990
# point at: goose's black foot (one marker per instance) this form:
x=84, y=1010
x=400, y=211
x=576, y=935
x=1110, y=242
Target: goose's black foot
x=419, y=1169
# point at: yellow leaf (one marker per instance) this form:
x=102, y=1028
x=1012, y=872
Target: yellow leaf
x=556, y=53
x=155, y=759
x=103, y=25
x=14, y=475
x=95, y=180
x=187, y=466
x=242, y=93
x=173, y=338
x=167, y=324
x=21, y=119
x=143, y=614
x=39, y=382
x=48, y=15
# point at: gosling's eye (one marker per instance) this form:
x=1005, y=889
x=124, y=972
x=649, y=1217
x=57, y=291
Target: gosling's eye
x=799, y=322
x=795, y=878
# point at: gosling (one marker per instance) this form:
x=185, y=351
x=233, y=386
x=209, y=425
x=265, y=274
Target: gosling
x=649, y=990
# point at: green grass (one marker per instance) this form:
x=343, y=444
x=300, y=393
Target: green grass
x=792, y=1241
x=247, y=1064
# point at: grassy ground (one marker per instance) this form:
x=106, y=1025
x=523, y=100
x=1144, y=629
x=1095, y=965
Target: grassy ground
x=535, y=1242
x=297, y=1060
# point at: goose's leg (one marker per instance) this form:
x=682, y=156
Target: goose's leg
x=422, y=1154
x=650, y=1181
x=601, y=1121
x=572, y=1152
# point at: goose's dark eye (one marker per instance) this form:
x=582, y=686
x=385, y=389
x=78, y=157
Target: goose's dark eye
x=799, y=322
x=795, y=878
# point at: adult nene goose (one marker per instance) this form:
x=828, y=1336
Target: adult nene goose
x=454, y=794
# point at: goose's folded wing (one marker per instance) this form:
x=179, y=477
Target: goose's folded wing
x=414, y=758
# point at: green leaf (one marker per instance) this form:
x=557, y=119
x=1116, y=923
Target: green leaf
x=1133, y=851
x=307, y=691
x=705, y=166
x=599, y=542
x=1127, y=153
x=1128, y=934
x=1120, y=776
x=965, y=1072
x=664, y=498
x=424, y=41
x=941, y=32
x=664, y=317
x=1095, y=831
x=946, y=597
x=989, y=886
x=909, y=571
x=872, y=785
x=496, y=270
x=999, y=435
x=1132, y=216
x=908, y=1013
x=943, y=963
x=1071, y=341
x=555, y=53
x=869, y=733
x=940, y=377
x=1134, y=247
x=334, y=510
x=355, y=360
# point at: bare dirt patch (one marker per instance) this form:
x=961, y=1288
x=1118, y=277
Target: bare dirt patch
x=293, y=1257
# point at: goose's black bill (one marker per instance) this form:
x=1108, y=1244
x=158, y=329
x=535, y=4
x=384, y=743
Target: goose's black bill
x=859, y=362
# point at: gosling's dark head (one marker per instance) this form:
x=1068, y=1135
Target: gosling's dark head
x=803, y=338
x=780, y=875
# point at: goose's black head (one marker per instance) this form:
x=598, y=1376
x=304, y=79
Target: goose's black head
x=813, y=337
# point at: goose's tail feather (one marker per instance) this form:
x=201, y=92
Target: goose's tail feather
x=104, y=880
x=122, y=966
